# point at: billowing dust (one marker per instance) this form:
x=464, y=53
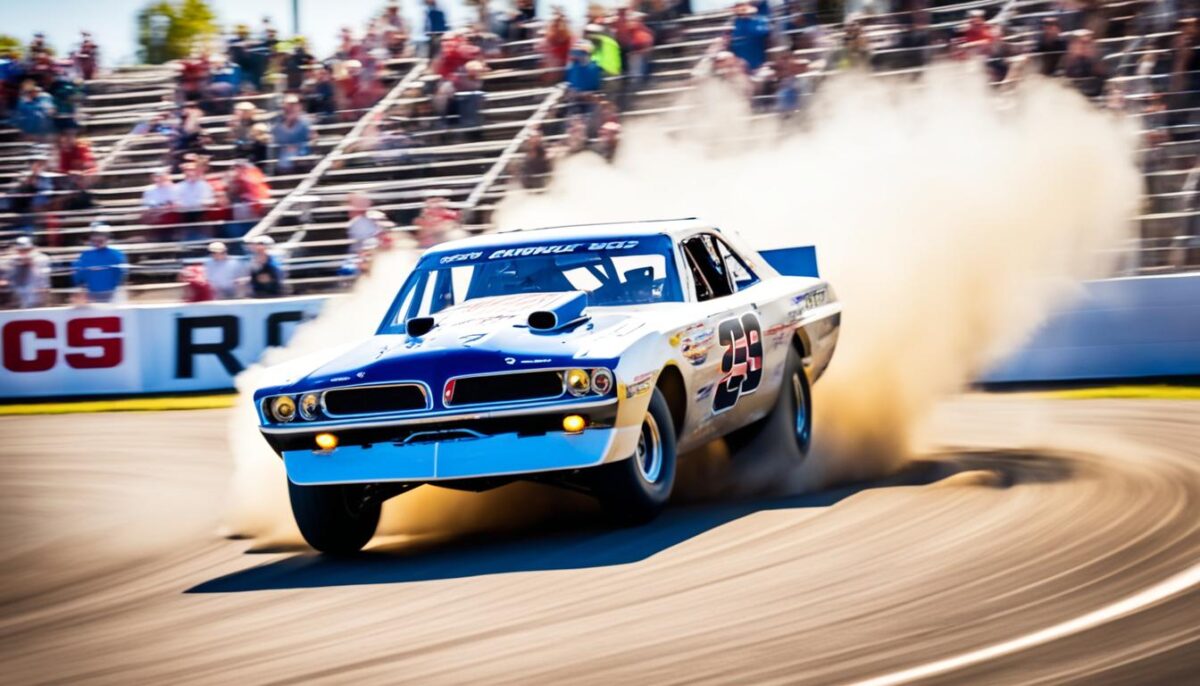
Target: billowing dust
x=949, y=219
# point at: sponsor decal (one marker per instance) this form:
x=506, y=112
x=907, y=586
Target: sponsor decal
x=810, y=300
x=540, y=360
x=694, y=343
x=780, y=333
x=532, y=250
x=510, y=360
x=704, y=392
x=336, y=379
x=640, y=385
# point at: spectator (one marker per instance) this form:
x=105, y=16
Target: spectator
x=320, y=97
x=193, y=198
x=435, y=26
x=100, y=271
x=26, y=275
x=266, y=276
x=395, y=30
x=228, y=276
x=584, y=80
x=297, y=64
x=535, y=164
x=292, y=135
x=977, y=35
x=610, y=138
x=196, y=288
x=1050, y=46
x=606, y=52
x=66, y=95
x=75, y=155
x=34, y=114
x=35, y=192
x=241, y=129
x=436, y=223
x=364, y=222
x=636, y=40
x=855, y=52
x=87, y=57
x=225, y=84
x=750, y=35
x=247, y=193
x=1083, y=65
x=556, y=46
x=469, y=96
x=158, y=200
x=1185, y=62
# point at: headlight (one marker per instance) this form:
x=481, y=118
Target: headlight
x=283, y=408
x=309, y=404
x=602, y=381
x=578, y=382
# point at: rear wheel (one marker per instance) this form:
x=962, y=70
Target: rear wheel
x=788, y=427
x=338, y=520
x=635, y=490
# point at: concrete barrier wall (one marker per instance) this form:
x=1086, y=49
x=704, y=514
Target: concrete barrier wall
x=1146, y=326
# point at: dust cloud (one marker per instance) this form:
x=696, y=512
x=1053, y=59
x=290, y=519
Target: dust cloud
x=949, y=219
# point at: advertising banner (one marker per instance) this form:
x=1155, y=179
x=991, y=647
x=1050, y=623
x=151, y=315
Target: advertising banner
x=130, y=350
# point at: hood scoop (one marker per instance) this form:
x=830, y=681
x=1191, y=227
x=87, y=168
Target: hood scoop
x=418, y=326
x=564, y=312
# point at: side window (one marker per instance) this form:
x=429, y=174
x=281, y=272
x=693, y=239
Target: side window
x=735, y=266
x=708, y=272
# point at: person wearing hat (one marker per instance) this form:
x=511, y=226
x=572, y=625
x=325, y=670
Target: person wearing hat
x=583, y=76
x=35, y=191
x=100, y=270
x=227, y=275
x=750, y=35
x=26, y=275
x=364, y=223
x=241, y=129
x=978, y=33
x=266, y=276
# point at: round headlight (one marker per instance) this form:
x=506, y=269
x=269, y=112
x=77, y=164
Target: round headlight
x=309, y=404
x=283, y=408
x=602, y=381
x=578, y=382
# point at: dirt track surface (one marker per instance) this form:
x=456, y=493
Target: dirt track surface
x=1036, y=512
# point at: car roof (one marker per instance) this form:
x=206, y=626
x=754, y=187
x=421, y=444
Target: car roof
x=550, y=234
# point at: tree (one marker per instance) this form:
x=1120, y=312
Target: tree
x=168, y=30
x=9, y=44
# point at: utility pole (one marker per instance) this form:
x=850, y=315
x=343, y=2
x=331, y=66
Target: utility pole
x=295, y=17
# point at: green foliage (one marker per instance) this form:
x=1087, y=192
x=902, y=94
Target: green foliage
x=169, y=30
x=10, y=44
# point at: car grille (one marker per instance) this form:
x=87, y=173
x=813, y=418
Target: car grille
x=375, y=399
x=507, y=388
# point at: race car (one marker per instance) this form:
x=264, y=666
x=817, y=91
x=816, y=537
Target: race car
x=586, y=356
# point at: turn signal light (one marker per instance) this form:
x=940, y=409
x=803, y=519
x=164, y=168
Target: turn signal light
x=573, y=423
x=326, y=441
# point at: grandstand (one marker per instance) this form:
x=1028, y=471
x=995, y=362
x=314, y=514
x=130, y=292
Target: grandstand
x=471, y=166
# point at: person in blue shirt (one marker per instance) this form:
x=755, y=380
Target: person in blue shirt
x=584, y=78
x=435, y=26
x=100, y=271
x=750, y=35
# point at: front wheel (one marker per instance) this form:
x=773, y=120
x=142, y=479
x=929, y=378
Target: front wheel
x=338, y=520
x=635, y=490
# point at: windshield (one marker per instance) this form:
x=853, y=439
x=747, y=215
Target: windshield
x=611, y=272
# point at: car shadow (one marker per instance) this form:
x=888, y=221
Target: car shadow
x=588, y=546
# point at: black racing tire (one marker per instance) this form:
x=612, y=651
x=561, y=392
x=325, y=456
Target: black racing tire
x=635, y=490
x=787, y=428
x=334, y=519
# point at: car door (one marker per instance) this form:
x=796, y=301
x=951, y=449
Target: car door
x=732, y=372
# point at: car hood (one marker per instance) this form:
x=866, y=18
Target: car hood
x=480, y=336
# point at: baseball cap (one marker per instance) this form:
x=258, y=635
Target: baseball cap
x=216, y=246
x=24, y=243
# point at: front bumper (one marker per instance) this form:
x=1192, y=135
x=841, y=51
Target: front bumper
x=496, y=455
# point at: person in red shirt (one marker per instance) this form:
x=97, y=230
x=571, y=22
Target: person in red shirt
x=556, y=46
x=196, y=288
x=436, y=223
x=75, y=155
x=978, y=34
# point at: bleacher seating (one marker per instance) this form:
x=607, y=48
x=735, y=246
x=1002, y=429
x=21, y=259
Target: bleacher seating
x=401, y=153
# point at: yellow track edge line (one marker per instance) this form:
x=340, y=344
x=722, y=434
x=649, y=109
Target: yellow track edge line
x=1126, y=392
x=188, y=402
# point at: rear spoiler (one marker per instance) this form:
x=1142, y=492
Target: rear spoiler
x=799, y=261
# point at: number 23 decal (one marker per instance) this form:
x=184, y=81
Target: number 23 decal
x=742, y=361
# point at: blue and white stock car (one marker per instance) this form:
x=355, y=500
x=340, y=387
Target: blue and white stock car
x=583, y=356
